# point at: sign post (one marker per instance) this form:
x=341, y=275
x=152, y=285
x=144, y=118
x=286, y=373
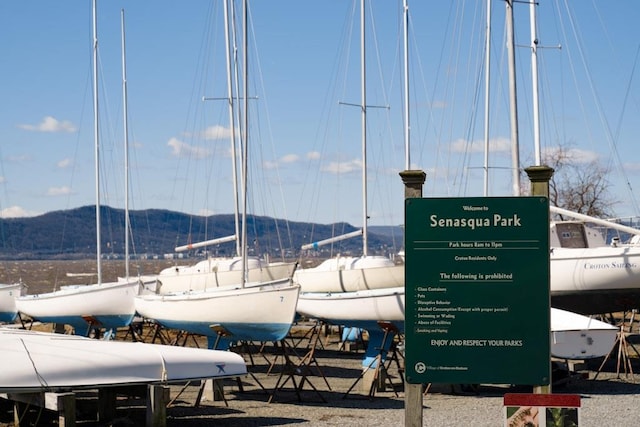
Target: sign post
x=477, y=290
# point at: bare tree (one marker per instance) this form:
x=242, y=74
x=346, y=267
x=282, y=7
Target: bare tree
x=579, y=186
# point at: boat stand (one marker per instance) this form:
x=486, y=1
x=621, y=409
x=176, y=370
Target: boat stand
x=93, y=327
x=156, y=333
x=380, y=363
x=308, y=335
x=622, y=347
x=302, y=368
x=244, y=348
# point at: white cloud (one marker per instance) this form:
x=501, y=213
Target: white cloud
x=217, y=132
x=343, y=167
x=182, y=149
x=59, y=191
x=575, y=154
x=268, y=164
x=16, y=212
x=313, y=155
x=634, y=168
x=286, y=159
x=64, y=163
x=440, y=105
x=290, y=158
x=3, y=179
x=50, y=124
x=496, y=145
x=20, y=159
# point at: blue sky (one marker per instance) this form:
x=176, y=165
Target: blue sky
x=305, y=146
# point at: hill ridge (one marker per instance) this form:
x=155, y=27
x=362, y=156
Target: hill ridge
x=70, y=234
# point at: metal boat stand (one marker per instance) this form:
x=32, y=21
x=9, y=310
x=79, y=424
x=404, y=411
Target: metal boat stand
x=301, y=368
x=380, y=363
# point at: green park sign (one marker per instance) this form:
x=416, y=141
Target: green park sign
x=477, y=290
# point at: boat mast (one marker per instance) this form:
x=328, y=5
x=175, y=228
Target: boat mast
x=407, y=129
x=363, y=89
x=487, y=87
x=534, y=79
x=515, y=147
x=245, y=151
x=230, y=100
x=126, y=149
x=96, y=140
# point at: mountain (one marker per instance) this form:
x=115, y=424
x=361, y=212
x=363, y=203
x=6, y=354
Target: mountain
x=70, y=234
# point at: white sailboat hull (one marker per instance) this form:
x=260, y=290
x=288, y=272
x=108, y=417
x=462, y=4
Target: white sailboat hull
x=592, y=269
x=358, y=309
x=351, y=274
x=263, y=312
x=111, y=305
x=8, y=294
x=215, y=272
x=595, y=280
x=574, y=336
x=53, y=361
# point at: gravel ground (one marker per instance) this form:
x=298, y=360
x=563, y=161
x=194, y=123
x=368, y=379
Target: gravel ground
x=608, y=400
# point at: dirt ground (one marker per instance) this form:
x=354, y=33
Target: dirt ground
x=45, y=276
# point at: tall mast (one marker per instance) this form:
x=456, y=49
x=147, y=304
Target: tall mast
x=363, y=88
x=96, y=140
x=407, y=129
x=487, y=87
x=126, y=149
x=245, y=152
x=227, y=17
x=534, y=78
x=513, y=101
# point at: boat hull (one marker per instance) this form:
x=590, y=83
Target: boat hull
x=8, y=295
x=52, y=361
x=349, y=274
x=595, y=280
x=105, y=305
x=362, y=309
x=216, y=272
x=578, y=337
x=260, y=313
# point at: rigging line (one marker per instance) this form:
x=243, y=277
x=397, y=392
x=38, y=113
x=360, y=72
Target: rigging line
x=41, y=379
x=617, y=135
x=453, y=62
x=313, y=173
x=473, y=102
x=469, y=143
x=598, y=104
x=548, y=114
x=377, y=152
x=258, y=66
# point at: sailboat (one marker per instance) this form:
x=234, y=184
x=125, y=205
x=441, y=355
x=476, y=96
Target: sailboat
x=8, y=294
x=41, y=361
x=223, y=271
x=348, y=273
x=106, y=305
x=254, y=311
x=356, y=291
x=573, y=335
x=588, y=276
x=219, y=271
